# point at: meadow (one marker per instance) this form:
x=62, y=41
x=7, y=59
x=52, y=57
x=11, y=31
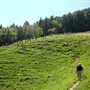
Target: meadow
x=46, y=63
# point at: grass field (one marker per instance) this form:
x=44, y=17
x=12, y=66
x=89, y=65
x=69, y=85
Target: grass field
x=48, y=63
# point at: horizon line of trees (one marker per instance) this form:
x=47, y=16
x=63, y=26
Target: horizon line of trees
x=78, y=21
x=18, y=33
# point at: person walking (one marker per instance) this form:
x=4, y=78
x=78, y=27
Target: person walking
x=79, y=71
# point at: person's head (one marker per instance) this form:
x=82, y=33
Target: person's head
x=79, y=64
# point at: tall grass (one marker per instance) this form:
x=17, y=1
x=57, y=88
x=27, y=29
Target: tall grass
x=48, y=63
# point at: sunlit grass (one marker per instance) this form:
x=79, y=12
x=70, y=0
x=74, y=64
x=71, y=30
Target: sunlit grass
x=48, y=63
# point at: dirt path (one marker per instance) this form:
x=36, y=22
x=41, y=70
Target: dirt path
x=74, y=85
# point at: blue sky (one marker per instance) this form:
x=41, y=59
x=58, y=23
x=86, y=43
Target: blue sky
x=18, y=11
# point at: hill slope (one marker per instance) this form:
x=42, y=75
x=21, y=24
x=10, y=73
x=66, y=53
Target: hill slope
x=48, y=63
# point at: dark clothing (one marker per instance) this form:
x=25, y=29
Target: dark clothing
x=79, y=72
x=79, y=68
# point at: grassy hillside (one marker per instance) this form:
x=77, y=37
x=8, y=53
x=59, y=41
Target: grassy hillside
x=48, y=63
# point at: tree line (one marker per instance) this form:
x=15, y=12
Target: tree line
x=17, y=33
x=78, y=21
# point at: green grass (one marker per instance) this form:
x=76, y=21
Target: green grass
x=48, y=63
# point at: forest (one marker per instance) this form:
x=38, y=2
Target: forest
x=78, y=21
